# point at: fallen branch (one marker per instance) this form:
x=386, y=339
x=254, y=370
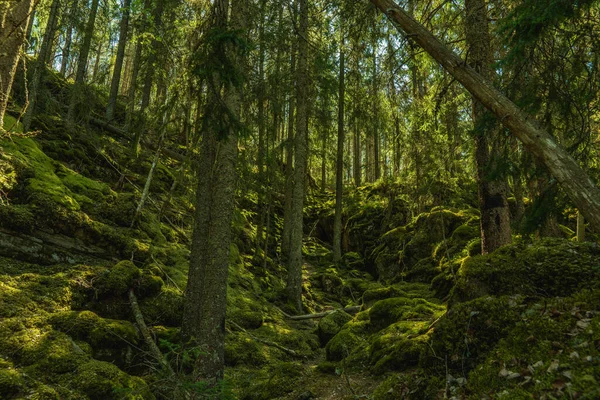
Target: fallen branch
x=350, y=310
x=266, y=342
x=139, y=319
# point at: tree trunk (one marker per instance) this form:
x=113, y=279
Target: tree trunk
x=82, y=61
x=357, y=166
x=580, y=227
x=294, y=279
x=14, y=19
x=43, y=59
x=575, y=182
x=261, y=181
x=116, y=77
x=493, y=206
x=206, y=293
x=339, y=166
x=66, y=51
x=289, y=168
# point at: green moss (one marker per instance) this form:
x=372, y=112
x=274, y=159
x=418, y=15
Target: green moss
x=468, y=332
x=552, y=267
x=150, y=283
x=119, y=279
x=164, y=309
x=17, y=217
x=331, y=324
x=99, y=332
x=242, y=349
x=343, y=344
x=279, y=380
x=100, y=380
x=386, y=312
x=11, y=382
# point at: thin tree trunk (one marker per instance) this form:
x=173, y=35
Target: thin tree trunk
x=357, y=167
x=206, y=293
x=43, y=59
x=14, y=18
x=82, y=62
x=339, y=166
x=116, y=77
x=575, y=182
x=580, y=227
x=66, y=50
x=294, y=279
x=289, y=166
x=261, y=184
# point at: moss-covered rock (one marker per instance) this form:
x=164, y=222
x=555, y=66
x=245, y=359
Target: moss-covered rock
x=100, y=380
x=331, y=324
x=279, y=380
x=551, y=267
x=344, y=343
x=119, y=279
x=166, y=308
x=386, y=312
x=12, y=382
x=242, y=349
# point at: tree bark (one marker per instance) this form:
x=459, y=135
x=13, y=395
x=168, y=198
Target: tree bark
x=66, y=51
x=83, y=60
x=289, y=159
x=116, y=77
x=206, y=293
x=576, y=183
x=493, y=206
x=42, y=60
x=14, y=19
x=294, y=279
x=339, y=166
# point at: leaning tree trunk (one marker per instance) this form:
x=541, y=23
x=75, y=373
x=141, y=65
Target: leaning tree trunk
x=116, y=77
x=294, y=279
x=493, y=206
x=82, y=61
x=14, y=19
x=206, y=293
x=339, y=166
x=575, y=182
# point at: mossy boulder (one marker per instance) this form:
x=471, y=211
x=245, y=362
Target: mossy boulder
x=279, y=380
x=119, y=279
x=100, y=380
x=12, y=382
x=388, y=311
x=343, y=344
x=109, y=339
x=331, y=324
x=166, y=308
x=242, y=349
x=551, y=267
x=468, y=332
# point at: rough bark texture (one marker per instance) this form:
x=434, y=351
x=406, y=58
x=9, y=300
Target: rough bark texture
x=339, y=167
x=206, y=293
x=116, y=77
x=294, y=279
x=14, y=19
x=576, y=183
x=83, y=60
x=493, y=206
